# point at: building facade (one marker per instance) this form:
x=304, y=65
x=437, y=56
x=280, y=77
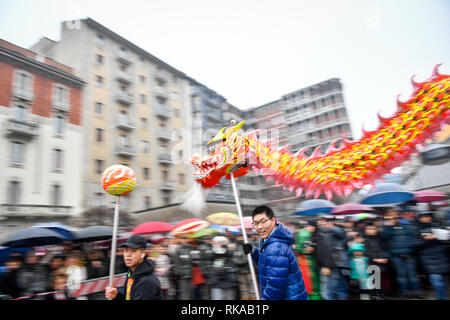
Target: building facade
x=137, y=110
x=40, y=139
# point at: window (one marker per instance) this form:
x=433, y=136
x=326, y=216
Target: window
x=146, y=173
x=181, y=178
x=99, y=196
x=145, y=146
x=99, y=134
x=99, y=164
x=99, y=107
x=99, y=59
x=147, y=202
x=166, y=201
x=59, y=125
x=143, y=99
x=100, y=40
x=177, y=113
x=144, y=123
x=60, y=93
x=13, y=192
x=57, y=159
x=20, y=113
x=142, y=79
x=23, y=81
x=99, y=81
x=165, y=175
x=123, y=140
x=17, y=152
x=56, y=195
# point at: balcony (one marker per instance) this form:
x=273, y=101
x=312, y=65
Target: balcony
x=214, y=117
x=34, y=210
x=163, y=135
x=19, y=128
x=162, y=92
x=125, y=151
x=164, y=158
x=125, y=98
x=162, y=112
x=125, y=124
x=123, y=57
x=61, y=105
x=23, y=93
x=196, y=91
x=167, y=185
x=161, y=76
x=124, y=77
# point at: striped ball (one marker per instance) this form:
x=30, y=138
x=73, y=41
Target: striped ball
x=118, y=180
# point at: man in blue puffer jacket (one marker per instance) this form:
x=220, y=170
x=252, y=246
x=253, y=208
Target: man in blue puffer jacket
x=280, y=277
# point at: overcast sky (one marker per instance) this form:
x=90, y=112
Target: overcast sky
x=252, y=52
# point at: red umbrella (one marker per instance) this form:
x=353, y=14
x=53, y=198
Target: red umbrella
x=351, y=208
x=248, y=220
x=190, y=225
x=152, y=227
x=426, y=196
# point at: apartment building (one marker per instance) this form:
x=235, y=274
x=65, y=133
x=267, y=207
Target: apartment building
x=136, y=110
x=40, y=139
x=306, y=118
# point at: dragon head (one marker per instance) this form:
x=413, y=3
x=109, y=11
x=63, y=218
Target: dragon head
x=227, y=153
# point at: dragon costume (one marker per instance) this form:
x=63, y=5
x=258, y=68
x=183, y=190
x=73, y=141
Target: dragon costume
x=338, y=170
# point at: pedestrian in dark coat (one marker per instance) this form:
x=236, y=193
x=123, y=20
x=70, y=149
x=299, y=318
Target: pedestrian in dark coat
x=432, y=253
x=401, y=240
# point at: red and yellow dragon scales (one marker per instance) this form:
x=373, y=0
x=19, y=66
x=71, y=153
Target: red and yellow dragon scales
x=338, y=170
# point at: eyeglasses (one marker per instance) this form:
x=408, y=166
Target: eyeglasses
x=261, y=223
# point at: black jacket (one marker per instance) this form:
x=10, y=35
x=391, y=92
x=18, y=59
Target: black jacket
x=432, y=253
x=146, y=285
x=331, y=248
x=374, y=250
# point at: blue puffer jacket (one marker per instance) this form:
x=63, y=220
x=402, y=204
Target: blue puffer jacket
x=279, y=275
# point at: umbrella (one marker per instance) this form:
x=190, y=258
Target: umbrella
x=313, y=207
x=248, y=222
x=152, y=227
x=93, y=233
x=33, y=237
x=386, y=194
x=209, y=232
x=351, y=208
x=223, y=218
x=426, y=196
x=190, y=225
x=362, y=216
x=65, y=231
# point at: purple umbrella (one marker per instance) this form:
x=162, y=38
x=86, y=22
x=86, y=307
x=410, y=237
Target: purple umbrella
x=351, y=208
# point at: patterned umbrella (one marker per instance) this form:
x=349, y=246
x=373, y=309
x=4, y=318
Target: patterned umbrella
x=427, y=196
x=223, y=218
x=209, y=232
x=152, y=227
x=362, y=216
x=190, y=225
x=351, y=208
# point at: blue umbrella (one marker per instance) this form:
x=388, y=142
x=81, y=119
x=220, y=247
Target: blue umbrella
x=313, y=207
x=65, y=231
x=387, y=194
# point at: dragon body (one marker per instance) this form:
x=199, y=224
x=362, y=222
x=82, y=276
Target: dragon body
x=338, y=170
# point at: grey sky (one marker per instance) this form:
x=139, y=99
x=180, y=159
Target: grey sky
x=252, y=52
